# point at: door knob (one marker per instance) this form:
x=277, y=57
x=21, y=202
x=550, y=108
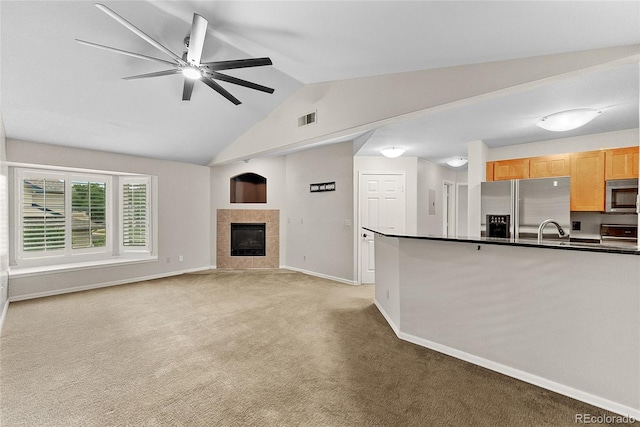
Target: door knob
x=364, y=235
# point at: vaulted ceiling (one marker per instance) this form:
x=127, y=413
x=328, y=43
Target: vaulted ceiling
x=54, y=90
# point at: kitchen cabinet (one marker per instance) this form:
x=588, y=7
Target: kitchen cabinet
x=550, y=166
x=587, y=181
x=510, y=169
x=621, y=163
x=489, y=173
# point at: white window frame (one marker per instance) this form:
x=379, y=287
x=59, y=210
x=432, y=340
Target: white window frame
x=113, y=251
x=148, y=248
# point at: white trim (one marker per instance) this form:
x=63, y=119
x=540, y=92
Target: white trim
x=395, y=329
x=323, y=276
x=3, y=316
x=69, y=169
x=19, y=272
x=514, y=373
x=105, y=284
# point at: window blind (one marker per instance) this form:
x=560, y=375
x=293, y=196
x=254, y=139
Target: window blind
x=43, y=214
x=135, y=221
x=88, y=210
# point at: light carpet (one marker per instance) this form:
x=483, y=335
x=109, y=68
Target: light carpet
x=243, y=348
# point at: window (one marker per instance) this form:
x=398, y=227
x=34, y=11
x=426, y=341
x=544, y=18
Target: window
x=135, y=213
x=88, y=214
x=43, y=213
x=64, y=217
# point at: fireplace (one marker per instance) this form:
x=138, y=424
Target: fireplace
x=226, y=217
x=248, y=239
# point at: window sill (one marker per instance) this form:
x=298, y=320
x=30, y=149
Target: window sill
x=19, y=272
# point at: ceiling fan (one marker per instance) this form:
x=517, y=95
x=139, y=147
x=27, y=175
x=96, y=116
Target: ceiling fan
x=189, y=64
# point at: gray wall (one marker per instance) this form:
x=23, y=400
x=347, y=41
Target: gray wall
x=320, y=226
x=271, y=168
x=573, y=330
x=431, y=177
x=183, y=217
x=4, y=224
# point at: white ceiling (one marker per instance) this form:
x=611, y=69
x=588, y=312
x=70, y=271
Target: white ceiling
x=57, y=91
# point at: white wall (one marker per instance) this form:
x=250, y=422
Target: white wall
x=183, y=217
x=348, y=106
x=274, y=170
x=572, y=330
x=408, y=165
x=622, y=138
x=431, y=177
x=4, y=226
x=320, y=226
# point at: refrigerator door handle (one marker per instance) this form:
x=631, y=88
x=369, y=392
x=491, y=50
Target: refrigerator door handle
x=515, y=208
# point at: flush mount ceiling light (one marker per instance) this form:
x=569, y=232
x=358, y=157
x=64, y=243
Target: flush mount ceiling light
x=568, y=120
x=457, y=162
x=392, y=152
x=192, y=73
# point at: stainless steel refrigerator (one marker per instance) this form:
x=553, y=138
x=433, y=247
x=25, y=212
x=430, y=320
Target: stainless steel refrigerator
x=522, y=205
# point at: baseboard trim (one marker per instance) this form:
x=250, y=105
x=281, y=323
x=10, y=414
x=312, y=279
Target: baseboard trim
x=3, y=316
x=520, y=375
x=104, y=284
x=323, y=276
x=395, y=329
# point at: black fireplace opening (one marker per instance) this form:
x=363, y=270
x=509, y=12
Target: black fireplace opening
x=248, y=239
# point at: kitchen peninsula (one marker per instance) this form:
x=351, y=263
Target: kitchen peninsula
x=564, y=317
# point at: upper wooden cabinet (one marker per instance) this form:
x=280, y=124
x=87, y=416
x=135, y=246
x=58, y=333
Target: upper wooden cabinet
x=510, y=169
x=489, y=173
x=587, y=181
x=550, y=166
x=621, y=163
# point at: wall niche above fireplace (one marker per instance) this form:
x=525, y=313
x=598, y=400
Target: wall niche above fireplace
x=248, y=188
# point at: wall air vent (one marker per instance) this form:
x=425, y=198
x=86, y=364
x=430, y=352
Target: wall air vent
x=307, y=119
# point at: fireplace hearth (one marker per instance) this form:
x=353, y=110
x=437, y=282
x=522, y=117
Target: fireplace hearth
x=248, y=239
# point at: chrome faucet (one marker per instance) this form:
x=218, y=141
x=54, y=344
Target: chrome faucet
x=561, y=232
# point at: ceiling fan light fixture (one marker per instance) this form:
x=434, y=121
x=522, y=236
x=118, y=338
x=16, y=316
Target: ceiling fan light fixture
x=392, y=152
x=192, y=73
x=568, y=120
x=457, y=162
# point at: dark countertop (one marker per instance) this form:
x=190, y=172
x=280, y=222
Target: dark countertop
x=548, y=244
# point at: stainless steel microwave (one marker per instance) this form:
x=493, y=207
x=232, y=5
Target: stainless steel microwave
x=622, y=196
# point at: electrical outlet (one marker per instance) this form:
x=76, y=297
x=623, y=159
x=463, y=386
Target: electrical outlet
x=575, y=225
x=180, y=258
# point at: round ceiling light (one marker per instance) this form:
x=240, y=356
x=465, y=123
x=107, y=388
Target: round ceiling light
x=457, y=162
x=192, y=73
x=568, y=120
x=392, y=152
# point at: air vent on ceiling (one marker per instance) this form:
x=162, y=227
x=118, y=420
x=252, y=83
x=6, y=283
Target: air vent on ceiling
x=307, y=119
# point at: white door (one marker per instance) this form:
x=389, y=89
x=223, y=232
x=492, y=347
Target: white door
x=448, y=209
x=382, y=207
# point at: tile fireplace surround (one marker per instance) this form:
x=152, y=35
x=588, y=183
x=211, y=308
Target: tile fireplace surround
x=271, y=217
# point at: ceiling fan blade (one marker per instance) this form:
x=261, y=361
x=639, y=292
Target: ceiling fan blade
x=124, y=52
x=188, y=89
x=215, y=86
x=196, y=39
x=240, y=82
x=156, y=74
x=238, y=63
x=139, y=33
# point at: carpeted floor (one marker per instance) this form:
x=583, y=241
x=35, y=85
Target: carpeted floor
x=243, y=348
